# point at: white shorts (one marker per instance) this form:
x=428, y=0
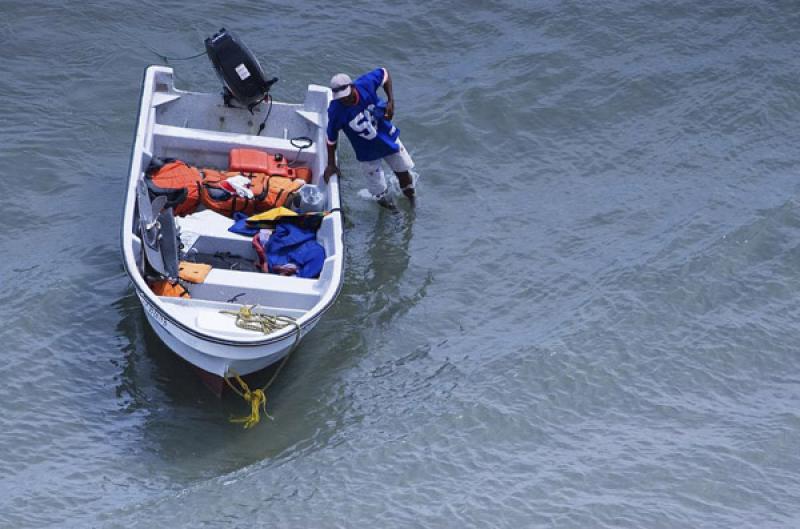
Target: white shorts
x=398, y=162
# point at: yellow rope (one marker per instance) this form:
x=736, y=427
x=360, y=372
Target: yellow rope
x=256, y=398
x=254, y=321
x=247, y=319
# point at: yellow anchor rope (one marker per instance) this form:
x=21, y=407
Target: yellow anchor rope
x=256, y=398
x=247, y=319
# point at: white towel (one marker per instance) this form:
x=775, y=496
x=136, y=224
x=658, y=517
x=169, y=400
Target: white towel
x=242, y=185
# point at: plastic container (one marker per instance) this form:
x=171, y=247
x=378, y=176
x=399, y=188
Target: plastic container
x=310, y=199
x=256, y=161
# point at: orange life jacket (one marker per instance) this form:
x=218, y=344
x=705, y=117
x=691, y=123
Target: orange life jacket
x=279, y=191
x=164, y=288
x=179, y=182
x=270, y=192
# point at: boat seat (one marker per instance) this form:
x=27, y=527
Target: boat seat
x=258, y=288
x=210, y=148
x=208, y=223
x=207, y=232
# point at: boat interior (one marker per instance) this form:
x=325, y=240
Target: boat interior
x=201, y=131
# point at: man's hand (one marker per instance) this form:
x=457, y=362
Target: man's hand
x=330, y=170
x=389, y=109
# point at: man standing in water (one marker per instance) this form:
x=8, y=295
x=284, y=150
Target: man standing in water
x=366, y=120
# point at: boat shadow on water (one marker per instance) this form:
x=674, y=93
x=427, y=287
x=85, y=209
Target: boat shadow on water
x=181, y=422
x=178, y=421
x=179, y=418
x=388, y=258
x=377, y=289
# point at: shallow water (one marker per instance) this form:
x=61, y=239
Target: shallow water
x=588, y=320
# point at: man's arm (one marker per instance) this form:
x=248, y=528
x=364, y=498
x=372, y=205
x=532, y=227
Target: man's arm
x=387, y=87
x=331, y=138
x=331, y=168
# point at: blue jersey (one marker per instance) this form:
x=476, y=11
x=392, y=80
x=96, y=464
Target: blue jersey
x=371, y=135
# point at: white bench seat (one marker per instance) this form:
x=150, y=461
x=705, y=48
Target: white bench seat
x=217, y=141
x=248, y=288
x=207, y=232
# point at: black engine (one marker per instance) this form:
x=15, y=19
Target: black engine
x=238, y=69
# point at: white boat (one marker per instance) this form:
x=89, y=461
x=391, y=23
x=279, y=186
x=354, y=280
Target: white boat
x=199, y=129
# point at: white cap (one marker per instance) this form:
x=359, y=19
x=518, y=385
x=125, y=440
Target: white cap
x=340, y=84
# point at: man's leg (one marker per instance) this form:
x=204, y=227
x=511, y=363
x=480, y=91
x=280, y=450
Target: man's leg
x=406, y=184
x=376, y=183
x=401, y=163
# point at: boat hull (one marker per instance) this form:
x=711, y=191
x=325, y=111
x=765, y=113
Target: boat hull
x=216, y=358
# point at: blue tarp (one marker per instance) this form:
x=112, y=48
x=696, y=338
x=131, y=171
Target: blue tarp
x=240, y=226
x=290, y=243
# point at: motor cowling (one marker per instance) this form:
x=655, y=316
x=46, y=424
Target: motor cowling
x=238, y=69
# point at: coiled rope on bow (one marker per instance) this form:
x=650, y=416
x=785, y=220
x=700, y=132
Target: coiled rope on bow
x=246, y=318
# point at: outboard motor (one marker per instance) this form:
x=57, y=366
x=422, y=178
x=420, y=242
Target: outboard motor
x=238, y=69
